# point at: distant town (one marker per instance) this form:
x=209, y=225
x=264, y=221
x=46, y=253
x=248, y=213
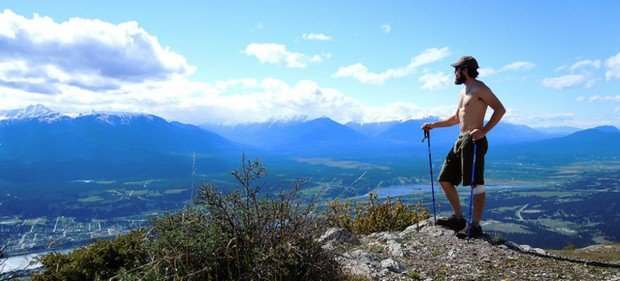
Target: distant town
x=23, y=236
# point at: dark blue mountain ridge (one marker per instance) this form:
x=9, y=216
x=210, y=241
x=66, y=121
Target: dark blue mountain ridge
x=597, y=143
x=377, y=138
x=39, y=142
x=321, y=135
x=557, y=131
x=86, y=135
x=105, y=144
x=607, y=129
x=407, y=132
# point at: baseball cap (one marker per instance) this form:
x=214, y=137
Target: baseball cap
x=466, y=61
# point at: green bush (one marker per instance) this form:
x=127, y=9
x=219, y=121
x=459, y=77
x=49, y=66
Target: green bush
x=100, y=260
x=569, y=247
x=250, y=238
x=365, y=218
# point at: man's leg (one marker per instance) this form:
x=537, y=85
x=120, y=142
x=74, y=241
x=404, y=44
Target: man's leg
x=474, y=230
x=455, y=222
x=453, y=197
x=478, y=206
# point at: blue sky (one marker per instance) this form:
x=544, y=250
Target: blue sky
x=551, y=63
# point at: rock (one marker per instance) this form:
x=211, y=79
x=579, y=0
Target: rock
x=386, y=237
x=432, y=254
x=329, y=246
x=409, y=230
x=513, y=245
x=339, y=235
x=359, y=262
x=396, y=249
x=415, y=228
x=363, y=256
x=539, y=251
x=357, y=268
x=525, y=248
x=452, y=254
x=436, y=231
x=392, y=265
x=384, y=272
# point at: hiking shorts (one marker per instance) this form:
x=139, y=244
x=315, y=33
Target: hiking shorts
x=458, y=164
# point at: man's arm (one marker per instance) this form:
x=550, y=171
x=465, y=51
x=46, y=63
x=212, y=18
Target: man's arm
x=498, y=112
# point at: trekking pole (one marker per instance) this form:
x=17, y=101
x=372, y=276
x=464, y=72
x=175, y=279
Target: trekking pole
x=471, y=193
x=427, y=135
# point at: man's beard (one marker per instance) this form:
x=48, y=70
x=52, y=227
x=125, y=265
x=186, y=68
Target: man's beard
x=460, y=79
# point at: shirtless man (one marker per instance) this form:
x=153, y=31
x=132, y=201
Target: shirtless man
x=475, y=98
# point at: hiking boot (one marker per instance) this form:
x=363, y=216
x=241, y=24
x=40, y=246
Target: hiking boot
x=474, y=233
x=455, y=223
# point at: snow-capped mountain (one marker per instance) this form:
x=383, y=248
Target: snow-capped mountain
x=38, y=111
x=42, y=113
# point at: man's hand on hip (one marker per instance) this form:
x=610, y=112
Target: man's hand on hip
x=477, y=134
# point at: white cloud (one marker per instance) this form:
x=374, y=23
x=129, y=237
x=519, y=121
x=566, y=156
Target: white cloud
x=605, y=99
x=560, y=68
x=41, y=55
x=590, y=83
x=487, y=71
x=229, y=101
x=316, y=58
x=360, y=72
x=515, y=66
x=564, y=82
x=519, y=65
x=585, y=64
x=540, y=120
x=386, y=28
x=580, y=99
x=277, y=54
x=316, y=36
x=581, y=73
x=613, y=67
x=435, y=81
x=270, y=98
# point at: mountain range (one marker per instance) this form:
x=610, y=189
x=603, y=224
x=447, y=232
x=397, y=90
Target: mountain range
x=321, y=135
x=591, y=144
x=324, y=132
x=37, y=143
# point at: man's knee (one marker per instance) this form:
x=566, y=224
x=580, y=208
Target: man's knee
x=447, y=184
x=479, y=189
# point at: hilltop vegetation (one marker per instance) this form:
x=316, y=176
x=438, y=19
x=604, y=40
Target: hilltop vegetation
x=234, y=236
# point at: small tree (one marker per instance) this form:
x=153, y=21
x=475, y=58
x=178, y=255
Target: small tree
x=373, y=216
x=241, y=236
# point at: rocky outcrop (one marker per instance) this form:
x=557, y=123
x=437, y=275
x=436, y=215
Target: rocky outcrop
x=428, y=252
